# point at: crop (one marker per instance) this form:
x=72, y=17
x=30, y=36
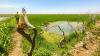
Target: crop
x=5, y=37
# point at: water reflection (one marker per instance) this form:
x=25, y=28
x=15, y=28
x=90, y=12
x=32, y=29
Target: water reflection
x=67, y=27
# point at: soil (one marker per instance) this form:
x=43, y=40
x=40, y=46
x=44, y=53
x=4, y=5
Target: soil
x=17, y=50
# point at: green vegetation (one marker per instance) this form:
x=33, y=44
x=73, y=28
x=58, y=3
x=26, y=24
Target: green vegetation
x=39, y=19
x=5, y=36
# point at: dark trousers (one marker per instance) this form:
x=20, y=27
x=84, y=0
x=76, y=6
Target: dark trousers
x=17, y=19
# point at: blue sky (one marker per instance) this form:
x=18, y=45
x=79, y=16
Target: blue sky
x=50, y=6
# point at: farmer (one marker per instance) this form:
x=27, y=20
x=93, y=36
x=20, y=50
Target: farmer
x=17, y=18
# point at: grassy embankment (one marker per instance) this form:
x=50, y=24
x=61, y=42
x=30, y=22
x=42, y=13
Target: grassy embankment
x=5, y=36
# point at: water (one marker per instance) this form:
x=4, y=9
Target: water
x=67, y=27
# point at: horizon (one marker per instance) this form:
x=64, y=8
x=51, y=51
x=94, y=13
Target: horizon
x=50, y=6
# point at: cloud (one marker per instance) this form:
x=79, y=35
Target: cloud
x=66, y=11
x=8, y=9
x=6, y=6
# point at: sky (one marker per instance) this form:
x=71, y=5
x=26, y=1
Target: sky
x=50, y=6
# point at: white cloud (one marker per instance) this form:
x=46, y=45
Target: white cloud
x=65, y=11
x=8, y=9
x=6, y=6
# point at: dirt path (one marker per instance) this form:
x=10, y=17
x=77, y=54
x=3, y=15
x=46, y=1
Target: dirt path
x=89, y=45
x=17, y=50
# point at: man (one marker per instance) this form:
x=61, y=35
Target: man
x=17, y=18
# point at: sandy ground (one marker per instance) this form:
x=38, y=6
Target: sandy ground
x=17, y=50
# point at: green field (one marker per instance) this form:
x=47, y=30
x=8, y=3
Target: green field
x=39, y=19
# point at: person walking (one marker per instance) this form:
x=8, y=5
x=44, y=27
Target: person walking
x=17, y=18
